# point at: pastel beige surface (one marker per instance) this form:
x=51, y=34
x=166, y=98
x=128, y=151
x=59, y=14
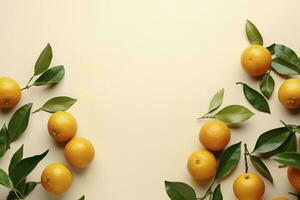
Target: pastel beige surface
x=142, y=72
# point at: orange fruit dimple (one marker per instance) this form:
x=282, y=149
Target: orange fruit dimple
x=249, y=186
x=56, y=178
x=256, y=60
x=79, y=152
x=202, y=165
x=214, y=135
x=62, y=126
x=10, y=93
x=294, y=177
x=289, y=93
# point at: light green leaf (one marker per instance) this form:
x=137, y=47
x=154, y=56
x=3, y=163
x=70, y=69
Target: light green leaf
x=253, y=34
x=180, y=191
x=61, y=103
x=44, y=60
x=267, y=85
x=261, y=167
x=4, y=179
x=216, y=101
x=271, y=48
x=234, y=114
x=19, y=122
x=284, y=68
x=229, y=160
x=286, y=54
x=291, y=159
x=51, y=76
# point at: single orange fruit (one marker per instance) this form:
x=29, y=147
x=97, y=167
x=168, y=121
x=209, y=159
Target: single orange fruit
x=256, y=60
x=280, y=198
x=289, y=93
x=249, y=186
x=294, y=177
x=214, y=135
x=10, y=93
x=56, y=178
x=62, y=126
x=79, y=152
x=202, y=165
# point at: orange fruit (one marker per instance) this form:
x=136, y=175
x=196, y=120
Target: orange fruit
x=79, y=152
x=249, y=186
x=62, y=126
x=10, y=93
x=56, y=178
x=214, y=135
x=289, y=93
x=280, y=198
x=294, y=177
x=256, y=60
x=202, y=165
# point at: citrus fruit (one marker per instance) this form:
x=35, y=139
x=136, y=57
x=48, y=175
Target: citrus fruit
x=214, y=135
x=56, y=178
x=62, y=126
x=294, y=177
x=280, y=198
x=202, y=165
x=10, y=92
x=289, y=93
x=249, y=186
x=256, y=60
x=79, y=152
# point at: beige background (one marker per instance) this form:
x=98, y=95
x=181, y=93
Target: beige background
x=142, y=72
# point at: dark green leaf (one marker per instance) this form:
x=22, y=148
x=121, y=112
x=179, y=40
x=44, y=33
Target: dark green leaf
x=16, y=158
x=229, y=160
x=271, y=48
x=180, y=191
x=290, y=145
x=286, y=54
x=43, y=61
x=51, y=76
x=82, y=198
x=20, y=189
x=5, y=180
x=267, y=85
x=216, y=100
x=19, y=122
x=217, y=194
x=234, y=114
x=291, y=159
x=58, y=104
x=3, y=140
x=25, y=167
x=284, y=68
x=256, y=99
x=29, y=187
x=271, y=140
x=253, y=34
x=261, y=167
x=21, y=186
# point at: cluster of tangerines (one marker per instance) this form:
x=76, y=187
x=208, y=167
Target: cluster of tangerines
x=214, y=135
x=62, y=126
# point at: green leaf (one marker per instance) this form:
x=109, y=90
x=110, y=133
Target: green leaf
x=180, y=191
x=271, y=48
x=271, y=140
x=253, y=34
x=25, y=167
x=3, y=140
x=217, y=194
x=216, y=101
x=291, y=159
x=261, y=167
x=255, y=99
x=5, y=180
x=82, y=198
x=284, y=68
x=229, y=160
x=19, y=122
x=51, y=76
x=58, y=104
x=29, y=187
x=266, y=85
x=234, y=114
x=290, y=145
x=43, y=61
x=286, y=54
x=16, y=158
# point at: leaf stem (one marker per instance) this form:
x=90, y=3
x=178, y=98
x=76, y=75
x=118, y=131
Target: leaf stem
x=37, y=110
x=287, y=126
x=208, y=192
x=206, y=116
x=27, y=85
x=246, y=153
x=18, y=194
x=239, y=83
